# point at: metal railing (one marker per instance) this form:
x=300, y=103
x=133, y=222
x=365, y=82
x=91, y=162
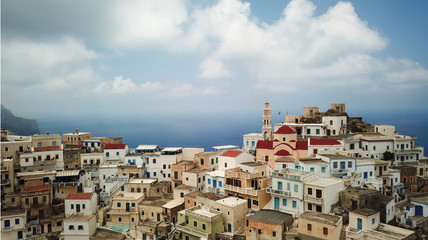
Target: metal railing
x=279, y=192
x=250, y=191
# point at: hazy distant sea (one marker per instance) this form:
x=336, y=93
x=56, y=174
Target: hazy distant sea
x=208, y=131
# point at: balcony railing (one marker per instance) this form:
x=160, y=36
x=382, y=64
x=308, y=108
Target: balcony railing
x=214, y=190
x=201, y=216
x=4, y=168
x=250, y=191
x=400, y=185
x=314, y=199
x=339, y=171
x=408, y=151
x=244, y=175
x=279, y=192
x=193, y=232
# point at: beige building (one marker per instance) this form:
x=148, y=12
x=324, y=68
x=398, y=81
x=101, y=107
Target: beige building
x=12, y=147
x=207, y=160
x=195, y=178
x=321, y=193
x=177, y=170
x=319, y=226
x=79, y=227
x=46, y=140
x=125, y=209
x=13, y=224
x=7, y=177
x=75, y=137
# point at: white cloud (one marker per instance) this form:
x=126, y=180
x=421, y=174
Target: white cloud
x=213, y=69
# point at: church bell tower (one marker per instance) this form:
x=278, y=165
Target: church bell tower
x=267, y=123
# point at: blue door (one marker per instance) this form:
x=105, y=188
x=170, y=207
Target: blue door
x=279, y=185
x=229, y=227
x=276, y=203
x=409, y=221
x=127, y=207
x=214, y=183
x=19, y=234
x=365, y=175
x=359, y=223
x=419, y=211
x=342, y=165
x=148, y=174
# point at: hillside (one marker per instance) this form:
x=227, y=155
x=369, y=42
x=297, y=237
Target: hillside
x=18, y=125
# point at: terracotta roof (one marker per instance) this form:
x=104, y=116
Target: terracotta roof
x=263, y=144
x=231, y=153
x=314, y=141
x=285, y=159
x=302, y=145
x=285, y=130
x=36, y=188
x=48, y=148
x=282, y=153
x=115, y=146
x=79, y=196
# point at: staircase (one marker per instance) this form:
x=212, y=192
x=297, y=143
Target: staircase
x=343, y=233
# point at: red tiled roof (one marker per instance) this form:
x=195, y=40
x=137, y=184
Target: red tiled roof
x=36, y=188
x=79, y=196
x=115, y=146
x=282, y=153
x=47, y=148
x=302, y=145
x=231, y=153
x=285, y=130
x=285, y=159
x=263, y=144
x=314, y=141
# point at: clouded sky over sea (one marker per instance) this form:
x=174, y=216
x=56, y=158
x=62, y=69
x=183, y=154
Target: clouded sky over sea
x=178, y=57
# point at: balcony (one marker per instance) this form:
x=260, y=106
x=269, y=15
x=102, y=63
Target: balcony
x=399, y=185
x=309, y=198
x=279, y=192
x=339, y=171
x=408, y=151
x=214, y=190
x=243, y=175
x=4, y=168
x=32, y=221
x=249, y=191
x=192, y=232
x=5, y=182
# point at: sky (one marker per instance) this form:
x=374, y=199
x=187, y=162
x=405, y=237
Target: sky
x=157, y=58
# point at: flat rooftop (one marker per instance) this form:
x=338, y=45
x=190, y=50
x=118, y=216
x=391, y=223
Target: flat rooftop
x=323, y=182
x=156, y=202
x=205, y=154
x=254, y=164
x=336, y=155
x=173, y=203
x=5, y=213
x=422, y=199
x=321, y=217
x=128, y=195
x=270, y=216
x=217, y=173
x=184, y=163
x=197, y=170
x=231, y=201
x=364, y=211
x=107, y=234
x=143, y=180
x=185, y=187
x=208, y=195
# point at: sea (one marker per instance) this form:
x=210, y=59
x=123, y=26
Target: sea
x=206, y=131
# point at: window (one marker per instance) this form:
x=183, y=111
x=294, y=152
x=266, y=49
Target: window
x=212, y=161
x=325, y=231
x=119, y=204
x=154, y=161
x=154, y=174
x=310, y=206
x=72, y=206
x=53, y=143
x=71, y=227
x=334, y=164
x=80, y=227
x=349, y=164
x=331, y=122
x=108, y=215
x=216, y=160
x=309, y=191
x=323, y=169
x=248, y=143
x=202, y=161
x=308, y=131
x=274, y=234
x=260, y=231
x=309, y=227
x=253, y=143
x=312, y=169
x=294, y=204
x=284, y=202
x=373, y=220
x=58, y=224
x=17, y=221
x=132, y=219
x=39, y=144
x=204, y=226
x=315, y=151
x=225, y=165
x=352, y=146
x=122, y=188
x=296, y=188
x=220, y=184
x=288, y=186
x=195, y=224
x=83, y=206
x=317, y=131
x=182, y=195
x=209, y=180
x=119, y=219
x=283, y=139
x=107, y=154
x=117, y=153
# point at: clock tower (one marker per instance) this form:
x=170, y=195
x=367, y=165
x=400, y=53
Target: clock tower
x=267, y=123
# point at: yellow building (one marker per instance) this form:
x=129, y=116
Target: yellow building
x=125, y=209
x=318, y=225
